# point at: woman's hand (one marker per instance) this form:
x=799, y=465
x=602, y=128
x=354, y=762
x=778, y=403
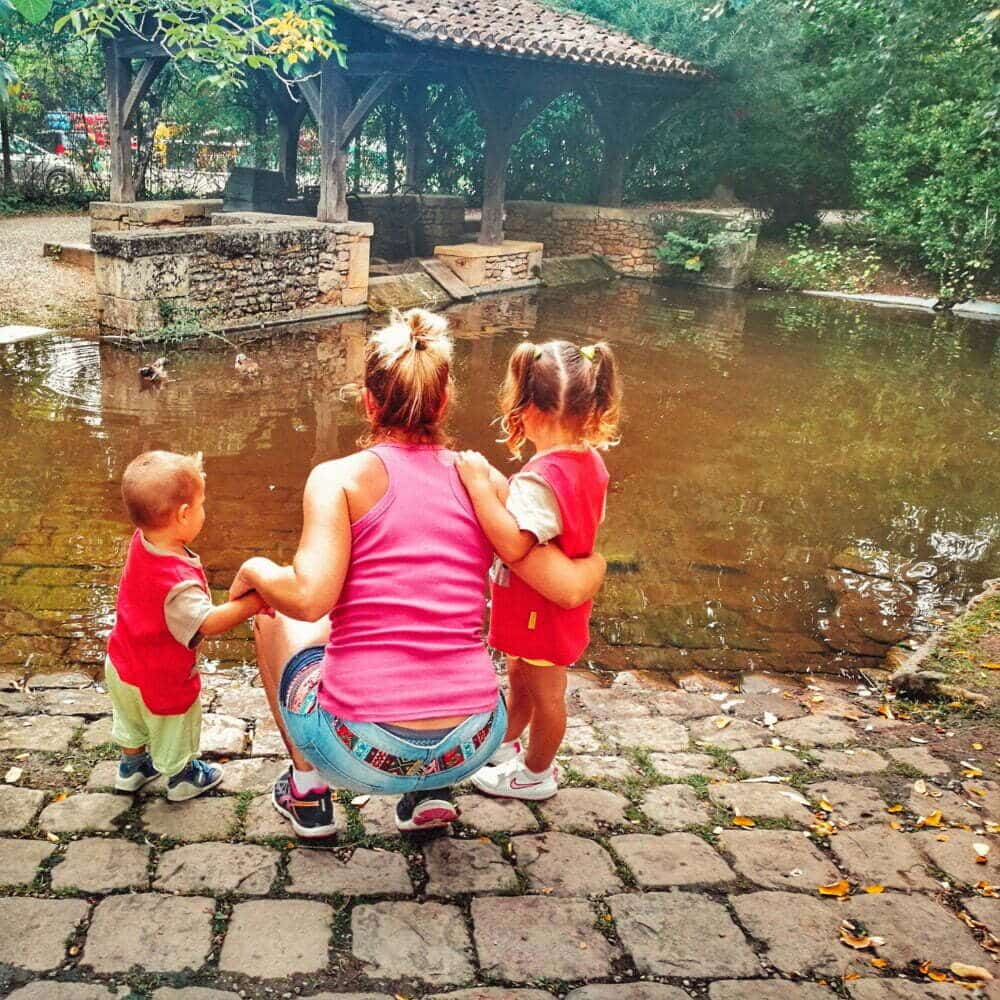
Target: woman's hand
x=475, y=472
x=248, y=576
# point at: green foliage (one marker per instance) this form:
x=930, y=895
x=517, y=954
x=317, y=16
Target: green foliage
x=826, y=264
x=931, y=182
x=694, y=241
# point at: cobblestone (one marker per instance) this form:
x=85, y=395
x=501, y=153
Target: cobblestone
x=487, y=815
x=464, y=866
x=38, y=732
x=674, y=807
x=763, y=801
x=585, y=809
x=560, y=864
x=19, y=860
x=671, y=860
x=94, y=811
x=778, y=859
x=33, y=932
x=243, y=869
x=99, y=864
x=727, y=733
x=18, y=807
x=197, y=819
x=269, y=939
x=364, y=873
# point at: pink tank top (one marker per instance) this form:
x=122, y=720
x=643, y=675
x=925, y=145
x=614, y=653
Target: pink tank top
x=406, y=635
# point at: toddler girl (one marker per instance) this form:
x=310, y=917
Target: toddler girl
x=564, y=400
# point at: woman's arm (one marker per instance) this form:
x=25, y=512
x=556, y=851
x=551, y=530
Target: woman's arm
x=567, y=582
x=310, y=587
x=487, y=489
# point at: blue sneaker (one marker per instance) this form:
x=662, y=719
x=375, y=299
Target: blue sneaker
x=134, y=771
x=196, y=779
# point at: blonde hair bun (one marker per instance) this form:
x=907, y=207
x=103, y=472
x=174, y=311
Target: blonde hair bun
x=413, y=330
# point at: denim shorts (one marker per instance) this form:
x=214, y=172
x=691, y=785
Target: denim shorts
x=363, y=756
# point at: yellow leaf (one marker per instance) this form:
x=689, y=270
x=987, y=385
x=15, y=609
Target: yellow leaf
x=879, y=963
x=874, y=890
x=972, y=772
x=895, y=825
x=991, y=666
x=977, y=791
x=61, y=796
x=817, y=699
x=937, y=977
x=895, y=808
x=934, y=819
x=743, y=821
x=849, y=977
x=977, y=746
x=825, y=806
x=943, y=837
x=860, y=943
x=841, y=888
x=722, y=722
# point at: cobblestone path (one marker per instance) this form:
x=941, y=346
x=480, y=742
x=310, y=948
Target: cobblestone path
x=683, y=858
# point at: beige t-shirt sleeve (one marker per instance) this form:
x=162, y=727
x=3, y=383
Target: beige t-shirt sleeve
x=185, y=608
x=534, y=506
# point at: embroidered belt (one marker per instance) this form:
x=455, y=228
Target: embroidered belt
x=390, y=763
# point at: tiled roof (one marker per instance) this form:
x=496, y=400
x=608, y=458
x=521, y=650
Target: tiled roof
x=520, y=28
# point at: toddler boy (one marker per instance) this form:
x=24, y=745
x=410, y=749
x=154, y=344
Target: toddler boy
x=164, y=610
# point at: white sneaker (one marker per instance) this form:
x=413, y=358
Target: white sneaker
x=514, y=781
x=505, y=752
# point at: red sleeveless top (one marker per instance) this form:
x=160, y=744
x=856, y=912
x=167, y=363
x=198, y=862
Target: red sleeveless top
x=523, y=623
x=143, y=651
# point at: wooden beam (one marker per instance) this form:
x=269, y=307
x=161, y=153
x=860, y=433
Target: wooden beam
x=363, y=107
x=118, y=81
x=334, y=107
x=144, y=79
x=310, y=91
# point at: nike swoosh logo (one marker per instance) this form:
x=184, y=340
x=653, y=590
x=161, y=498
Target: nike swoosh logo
x=514, y=783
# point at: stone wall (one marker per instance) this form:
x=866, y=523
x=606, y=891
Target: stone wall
x=227, y=276
x=512, y=263
x=625, y=237
x=130, y=216
x=409, y=225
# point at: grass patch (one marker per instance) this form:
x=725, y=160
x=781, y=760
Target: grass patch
x=969, y=650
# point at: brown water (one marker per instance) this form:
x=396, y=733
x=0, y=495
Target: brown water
x=764, y=436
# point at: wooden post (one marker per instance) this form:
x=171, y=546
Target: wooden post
x=416, y=118
x=118, y=78
x=289, y=130
x=505, y=109
x=612, y=185
x=334, y=107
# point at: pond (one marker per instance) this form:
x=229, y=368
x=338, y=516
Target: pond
x=799, y=482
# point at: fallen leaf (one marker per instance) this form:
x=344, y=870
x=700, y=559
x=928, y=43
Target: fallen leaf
x=817, y=699
x=916, y=739
x=977, y=791
x=60, y=796
x=885, y=711
x=934, y=819
x=943, y=837
x=977, y=746
x=920, y=786
x=992, y=666
x=825, y=806
x=981, y=859
x=938, y=977
x=360, y=800
x=874, y=890
x=52, y=838
x=841, y=888
x=743, y=821
x=972, y=772
x=849, y=977
x=860, y=943
x=721, y=722
x=879, y=963
x=895, y=825
x=823, y=829
x=895, y=808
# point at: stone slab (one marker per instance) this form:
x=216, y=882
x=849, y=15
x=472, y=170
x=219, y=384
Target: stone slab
x=88, y=702
x=628, y=991
x=267, y=739
x=170, y=933
x=242, y=702
x=34, y=932
x=853, y=805
x=684, y=765
x=594, y=767
x=763, y=801
x=560, y=864
x=728, y=733
x=18, y=807
x=244, y=869
x=678, y=934
x=586, y=809
x=957, y=857
x=815, y=731
x=489, y=815
x=456, y=867
x=756, y=706
x=192, y=993
x=759, y=761
x=681, y=705
x=61, y=679
x=88, y=811
x=255, y=775
x=852, y=762
x=899, y=989
x=481, y=993
x=222, y=735
x=922, y=759
x=581, y=737
x=273, y=938
x=19, y=860
x=610, y=703
x=877, y=855
x=315, y=872
x=674, y=807
x=473, y=250
x=800, y=933
x=53, y=733
x=956, y=808
x=425, y=941
x=767, y=989
x=916, y=928
x=99, y=864
x=197, y=819
x=778, y=859
x=97, y=733
x=674, y=859
x=986, y=911
x=47, y=990
x=657, y=734
x=520, y=939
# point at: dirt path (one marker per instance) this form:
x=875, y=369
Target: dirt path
x=37, y=291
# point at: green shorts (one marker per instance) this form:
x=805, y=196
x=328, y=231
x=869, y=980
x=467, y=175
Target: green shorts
x=172, y=740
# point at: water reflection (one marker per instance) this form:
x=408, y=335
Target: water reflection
x=796, y=478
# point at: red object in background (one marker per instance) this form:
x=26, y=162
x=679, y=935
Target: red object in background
x=60, y=149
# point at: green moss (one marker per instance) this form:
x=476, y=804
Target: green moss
x=969, y=645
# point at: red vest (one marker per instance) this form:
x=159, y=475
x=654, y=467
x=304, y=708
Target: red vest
x=143, y=651
x=523, y=623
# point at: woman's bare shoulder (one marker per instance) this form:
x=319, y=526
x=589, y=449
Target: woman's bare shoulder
x=349, y=473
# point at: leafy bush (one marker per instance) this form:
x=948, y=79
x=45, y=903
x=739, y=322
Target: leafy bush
x=826, y=265
x=930, y=182
x=692, y=243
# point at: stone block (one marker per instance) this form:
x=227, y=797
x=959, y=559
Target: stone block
x=778, y=859
x=902, y=989
x=853, y=805
x=520, y=939
x=674, y=859
x=815, y=731
x=97, y=864
x=879, y=856
x=256, y=775
x=19, y=860
x=366, y=872
x=728, y=733
x=40, y=732
x=600, y=768
x=267, y=739
x=588, y=809
x=244, y=869
x=488, y=815
x=49, y=990
x=353, y=296
x=18, y=807
x=684, y=765
x=564, y=211
x=922, y=759
x=357, y=270
x=763, y=801
x=223, y=735
x=657, y=734
x=628, y=991
x=98, y=734
x=34, y=932
x=680, y=934
x=952, y=852
x=128, y=315
x=158, y=933
x=424, y=941
x=244, y=702
x=164, y=276
x=197, y=819
x=559, y=864
x=852, y=762
x=767, y=989
x=759, y=761
x=271, y=939
x=674, y=807
x=457, y=867
x=93, y=811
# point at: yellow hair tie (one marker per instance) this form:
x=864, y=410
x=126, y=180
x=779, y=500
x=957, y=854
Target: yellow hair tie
x=589, y=351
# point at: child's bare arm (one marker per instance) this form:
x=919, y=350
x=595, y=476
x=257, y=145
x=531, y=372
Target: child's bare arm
x=483, y=484
x=223, y=617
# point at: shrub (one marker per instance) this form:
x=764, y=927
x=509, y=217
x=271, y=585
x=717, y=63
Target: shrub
x=826, y=265
x=692, y=242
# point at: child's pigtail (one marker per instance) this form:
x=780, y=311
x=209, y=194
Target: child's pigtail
x=606, y=413
x=515, y=395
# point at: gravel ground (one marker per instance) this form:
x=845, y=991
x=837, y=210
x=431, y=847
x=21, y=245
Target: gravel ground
x=37, y=291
